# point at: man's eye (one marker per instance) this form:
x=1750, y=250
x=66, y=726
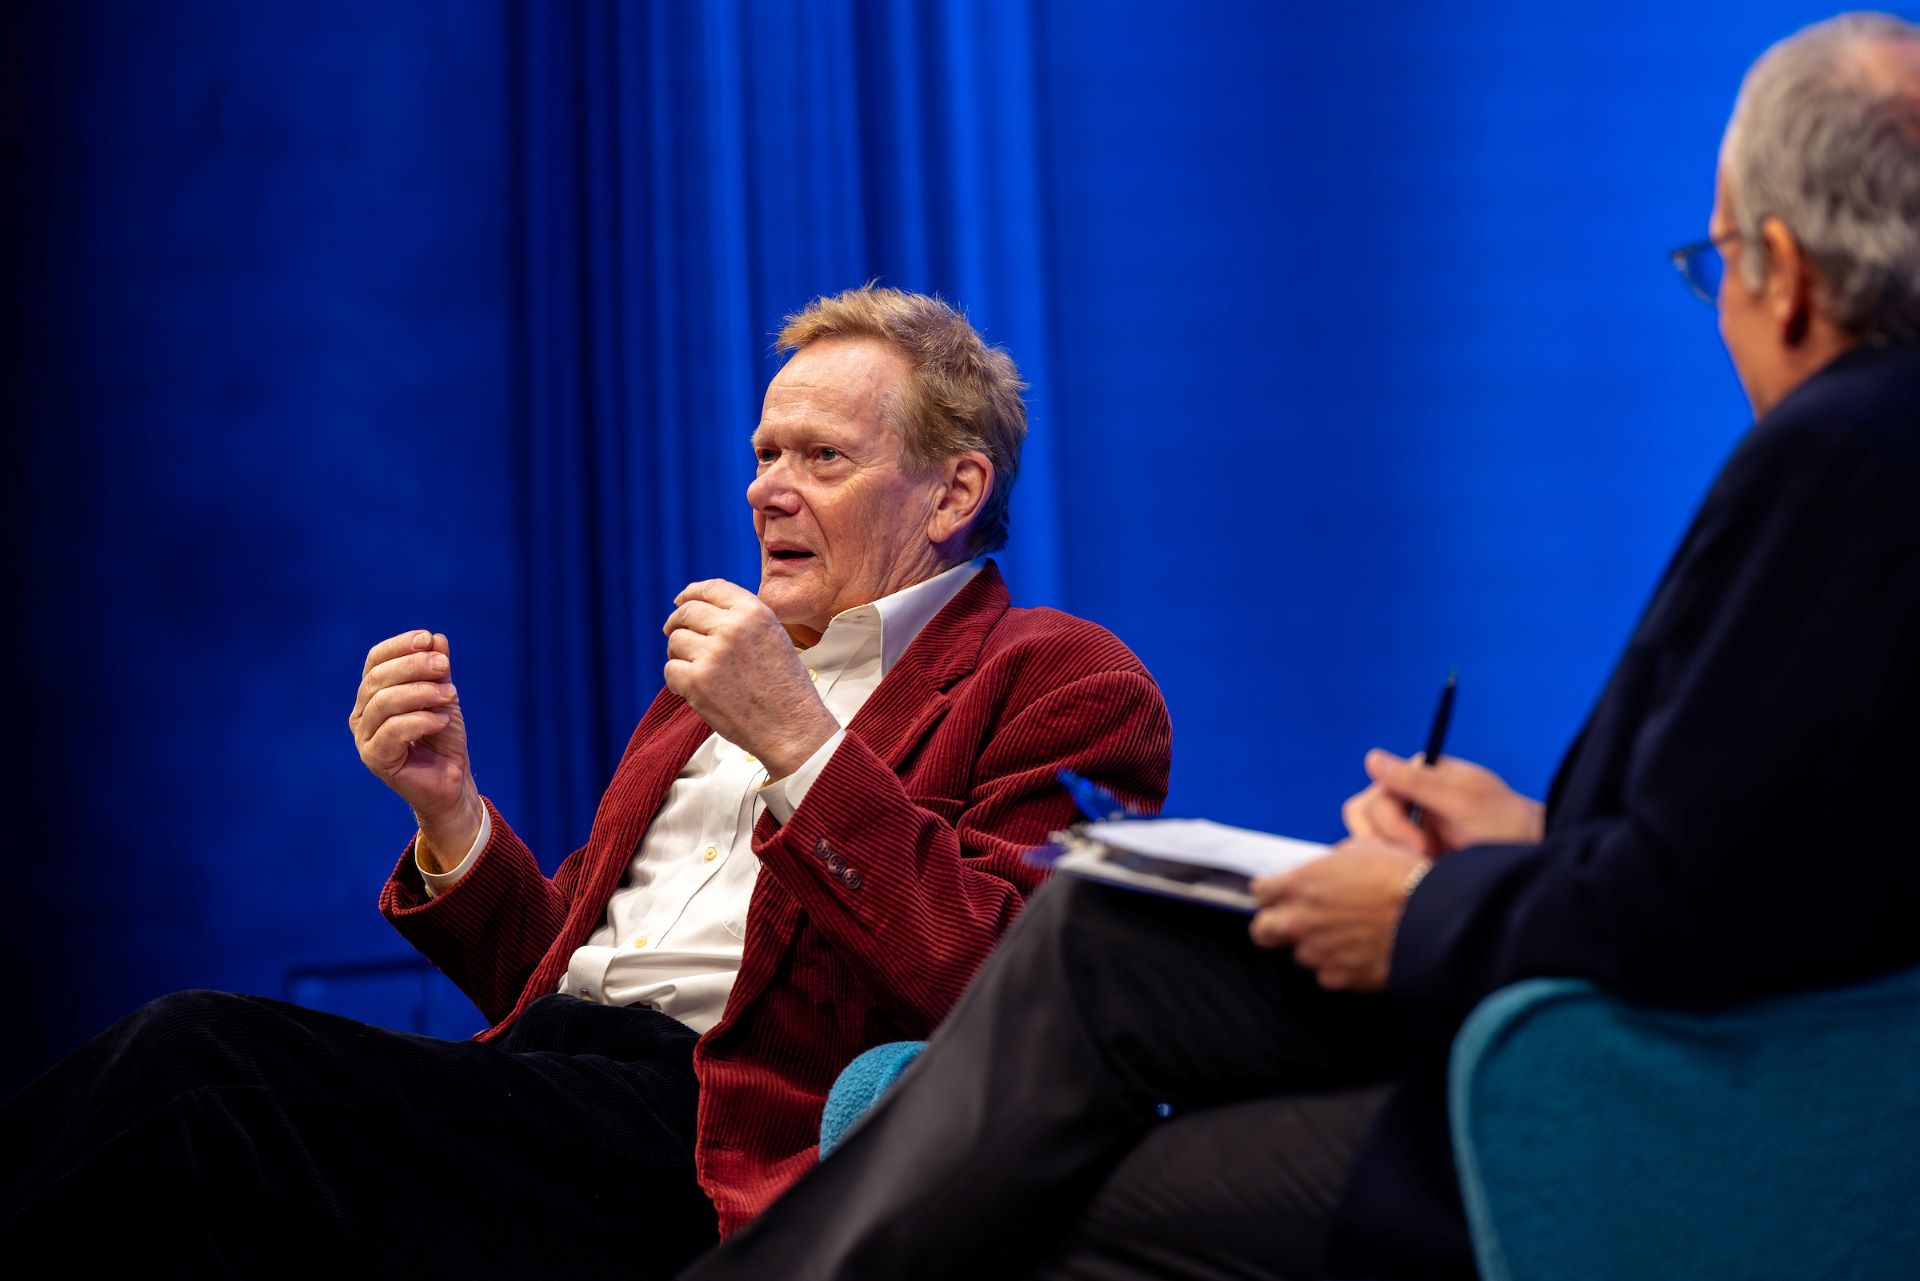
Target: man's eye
x=827, y=453
x=765, y=455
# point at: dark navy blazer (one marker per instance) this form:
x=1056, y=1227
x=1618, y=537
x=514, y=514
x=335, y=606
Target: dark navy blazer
x=1739, y=815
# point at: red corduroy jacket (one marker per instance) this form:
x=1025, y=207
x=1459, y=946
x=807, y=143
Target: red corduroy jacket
x=876, y=902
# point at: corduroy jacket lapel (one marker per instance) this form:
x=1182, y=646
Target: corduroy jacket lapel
x=912, y=697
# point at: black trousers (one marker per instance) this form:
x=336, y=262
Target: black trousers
x=231, y=1135
x=1029, y=1141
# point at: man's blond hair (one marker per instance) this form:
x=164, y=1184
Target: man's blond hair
x=963, y=395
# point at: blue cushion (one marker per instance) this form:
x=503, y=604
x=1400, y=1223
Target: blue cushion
x=860, y=1086
x=1775, y=1139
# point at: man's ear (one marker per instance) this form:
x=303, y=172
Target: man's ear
x=966, y=481
x=1789, y=283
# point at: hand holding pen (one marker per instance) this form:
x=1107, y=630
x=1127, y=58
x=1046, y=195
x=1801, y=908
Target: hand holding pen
x=1438, y=804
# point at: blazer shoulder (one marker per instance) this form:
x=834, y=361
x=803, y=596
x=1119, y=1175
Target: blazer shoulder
x=1056, y=639
x=1865, y=405
x=1848, y=438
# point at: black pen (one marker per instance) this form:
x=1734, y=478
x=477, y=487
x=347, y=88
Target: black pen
x=1436, y=736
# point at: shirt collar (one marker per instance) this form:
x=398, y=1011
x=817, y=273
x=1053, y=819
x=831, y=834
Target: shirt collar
x=893, y=621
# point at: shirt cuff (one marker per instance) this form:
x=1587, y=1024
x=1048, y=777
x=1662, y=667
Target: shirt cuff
x=783, y=796
x=439, y=883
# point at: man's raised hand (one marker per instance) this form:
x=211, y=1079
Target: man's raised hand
x=407, y=725
x=1465, y=804
x=730, y=658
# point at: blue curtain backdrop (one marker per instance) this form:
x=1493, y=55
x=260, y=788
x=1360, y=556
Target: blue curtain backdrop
x=685, y=176
x=1354, y=359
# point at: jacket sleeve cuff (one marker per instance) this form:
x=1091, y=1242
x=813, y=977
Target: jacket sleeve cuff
x=1439, y=970
x=407, y=892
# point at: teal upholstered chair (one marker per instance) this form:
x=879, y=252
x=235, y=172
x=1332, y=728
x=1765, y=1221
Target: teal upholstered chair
x=864, y=1080
x=1775, y=1139
x=1597, y=1139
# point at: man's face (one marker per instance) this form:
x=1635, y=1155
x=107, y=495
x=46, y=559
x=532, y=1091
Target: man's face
x=1744, y=326
x=842, y=515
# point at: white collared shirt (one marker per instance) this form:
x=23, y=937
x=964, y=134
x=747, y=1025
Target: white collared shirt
x=675, y=927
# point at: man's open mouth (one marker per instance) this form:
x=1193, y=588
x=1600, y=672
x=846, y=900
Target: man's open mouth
x=789, y=553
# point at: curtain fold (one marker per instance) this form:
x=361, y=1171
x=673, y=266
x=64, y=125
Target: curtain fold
x=688, y=174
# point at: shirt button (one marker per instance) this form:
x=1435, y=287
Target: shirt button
x=750, y=758
x=585, y=995
x=813, y=675
x=641, y=941
x=713, y=852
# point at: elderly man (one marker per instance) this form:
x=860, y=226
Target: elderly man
x=1733, y=821
x=814, y=838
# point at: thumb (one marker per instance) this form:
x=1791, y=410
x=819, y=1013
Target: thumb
x=1408, y=779
x=1380, y=760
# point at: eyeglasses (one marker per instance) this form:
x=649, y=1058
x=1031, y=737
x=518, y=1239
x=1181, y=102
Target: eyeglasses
x=1703, y=266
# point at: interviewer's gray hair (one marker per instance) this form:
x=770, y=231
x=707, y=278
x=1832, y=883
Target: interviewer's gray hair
x=1825, y=136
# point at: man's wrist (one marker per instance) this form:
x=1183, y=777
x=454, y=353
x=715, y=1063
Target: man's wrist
x=1536, y=820
x=445, y=840
x=799, y=747
x=1416, y=875
x=785, y=795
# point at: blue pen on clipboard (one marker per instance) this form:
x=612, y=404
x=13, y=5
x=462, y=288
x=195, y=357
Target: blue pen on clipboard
x=1094, y=801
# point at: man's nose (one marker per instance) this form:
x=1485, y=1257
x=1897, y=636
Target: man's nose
x=771, y=489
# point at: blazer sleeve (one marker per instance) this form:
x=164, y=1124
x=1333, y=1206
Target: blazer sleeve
x=489, y=931
x=915, y=899
x=1750, y=852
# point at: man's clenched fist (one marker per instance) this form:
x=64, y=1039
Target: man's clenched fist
x=730, y=658
x=407, y=725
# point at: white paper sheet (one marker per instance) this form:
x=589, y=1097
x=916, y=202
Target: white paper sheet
x=1206, y=844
